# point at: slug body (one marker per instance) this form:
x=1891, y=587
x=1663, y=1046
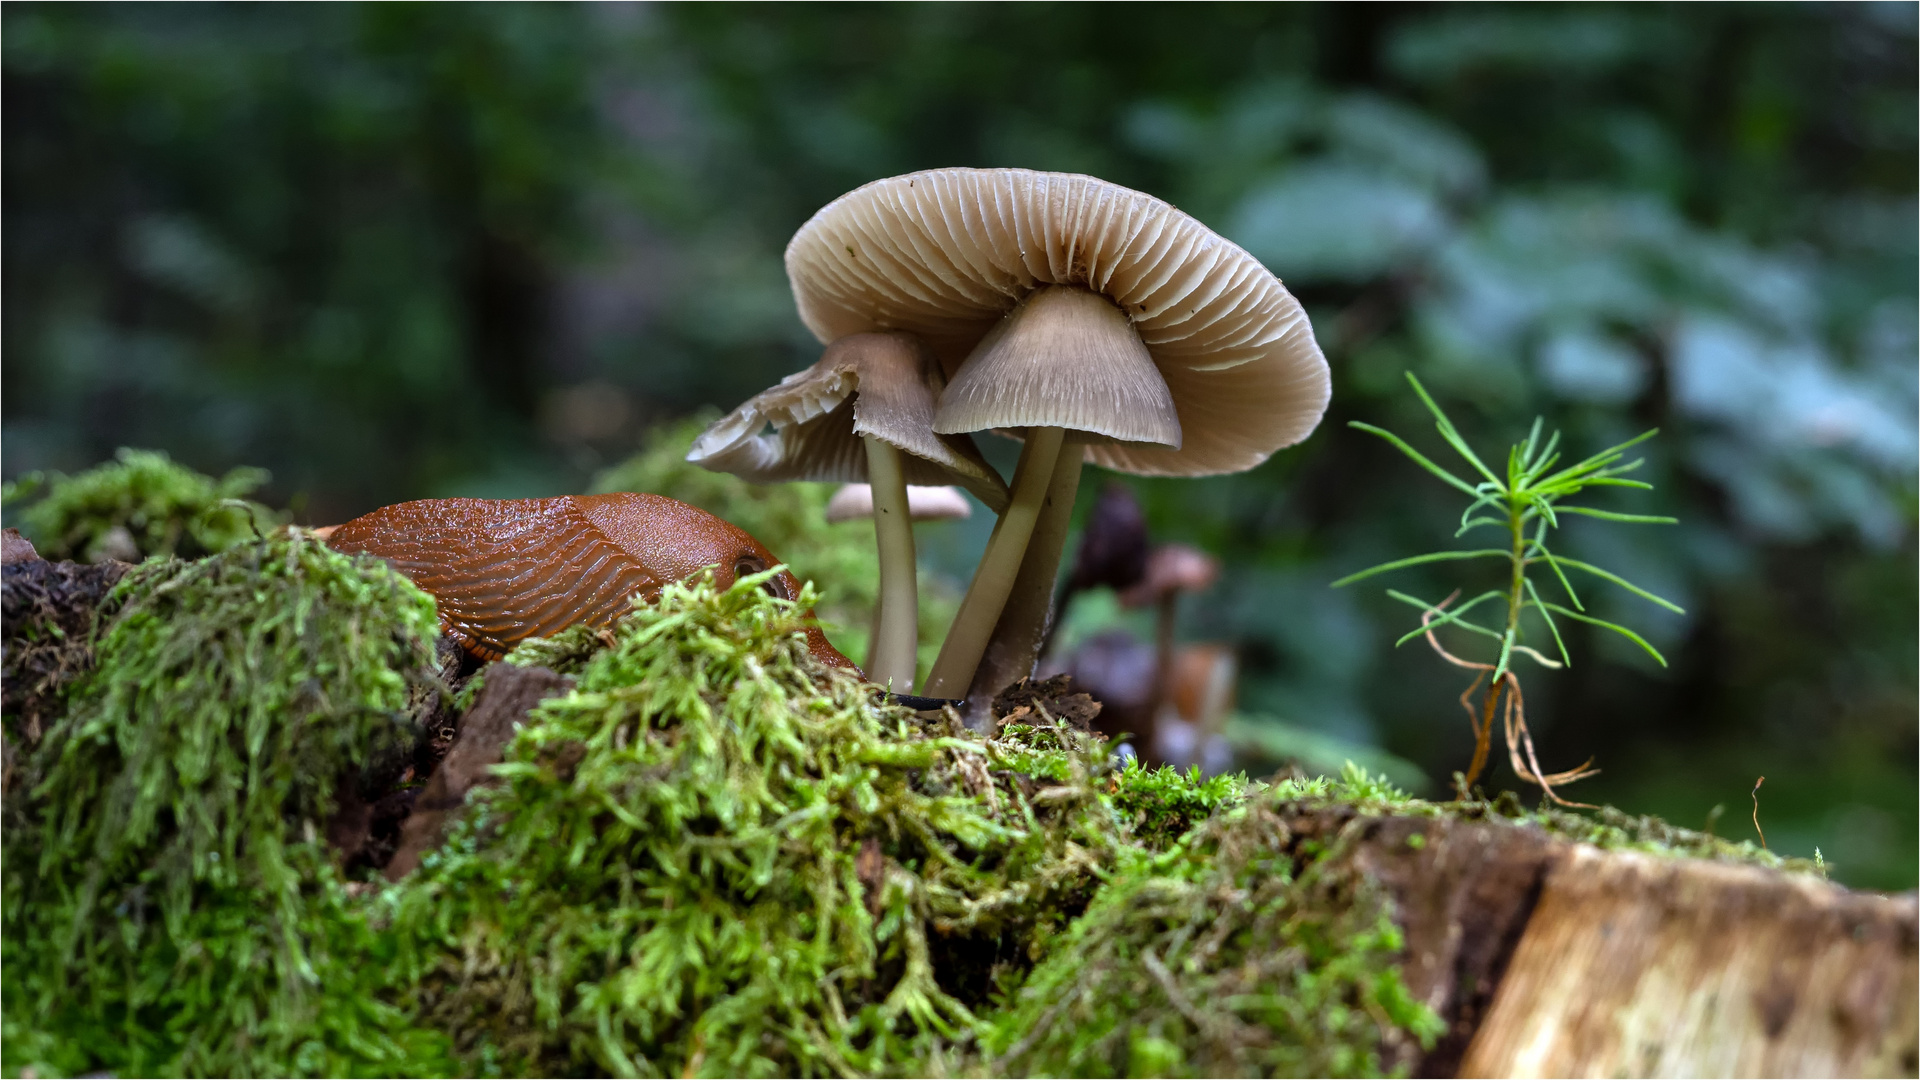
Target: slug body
x=507, y=569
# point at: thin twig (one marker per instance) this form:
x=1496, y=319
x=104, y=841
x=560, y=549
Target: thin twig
x=1756, y=812
x=1466, y=702
x=1426, y=620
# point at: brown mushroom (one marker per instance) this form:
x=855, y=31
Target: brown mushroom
x=1171, y=570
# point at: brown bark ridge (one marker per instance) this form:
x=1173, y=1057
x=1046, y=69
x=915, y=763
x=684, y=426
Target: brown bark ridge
x=1547, y=957
x=503, y=702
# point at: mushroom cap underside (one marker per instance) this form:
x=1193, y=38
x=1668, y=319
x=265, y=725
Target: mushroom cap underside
x=879, y=385
x=945, y=254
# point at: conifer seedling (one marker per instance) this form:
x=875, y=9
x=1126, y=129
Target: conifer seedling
x=1526, y=504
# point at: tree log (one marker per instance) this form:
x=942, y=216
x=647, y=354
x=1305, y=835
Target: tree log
x=1547, y=957
x=1636, y=965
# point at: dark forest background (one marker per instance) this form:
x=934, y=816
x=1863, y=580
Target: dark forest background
x=394, y=251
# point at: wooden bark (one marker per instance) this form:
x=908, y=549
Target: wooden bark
x=1546, y=957
x=1634, y=965
x=501, y=706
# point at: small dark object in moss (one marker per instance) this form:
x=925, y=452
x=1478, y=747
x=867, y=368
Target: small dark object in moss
x=47, y=616
x=1056, y=695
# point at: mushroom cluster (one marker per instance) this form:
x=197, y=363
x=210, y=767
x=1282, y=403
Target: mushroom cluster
x=1090, y=321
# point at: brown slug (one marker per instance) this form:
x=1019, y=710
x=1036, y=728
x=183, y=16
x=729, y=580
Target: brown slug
x=507, y=569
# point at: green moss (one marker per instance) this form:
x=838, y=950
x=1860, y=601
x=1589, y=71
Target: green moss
x=1234, y=954
x=1618, y=830
x=1162, y=805
x=566, y=652
x=1605, y=827
x=790, y=520
x=715, y=856
x=138, y=505
x=169, y=905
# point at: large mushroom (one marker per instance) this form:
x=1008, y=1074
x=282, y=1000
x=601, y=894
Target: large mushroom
x=1094, y=322
x=863, y=412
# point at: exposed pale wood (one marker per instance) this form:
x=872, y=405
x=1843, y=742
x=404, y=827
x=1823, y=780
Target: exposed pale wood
x=1634, y=965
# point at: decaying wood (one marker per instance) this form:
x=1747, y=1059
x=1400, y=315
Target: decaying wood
x=1634, y=965
x=1462, y=893
x=502, y=704
x=1546, y=957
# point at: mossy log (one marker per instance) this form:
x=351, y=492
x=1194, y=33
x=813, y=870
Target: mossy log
x=1549, y=957
x=1009, y=905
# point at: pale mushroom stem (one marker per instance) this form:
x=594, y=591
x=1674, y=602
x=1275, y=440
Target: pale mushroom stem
x=896, y=624
x=993, y=578
x=1015, y=646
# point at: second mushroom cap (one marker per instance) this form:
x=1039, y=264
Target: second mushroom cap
x=878, y=385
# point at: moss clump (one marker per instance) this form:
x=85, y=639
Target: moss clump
x=169, y=905
x=711, y=856
x=715, y=856
x=139, y=504
x=1618, y=830
x=790, y=519
x=1161, y=805
x=1607, y=827
x=567, y=652
x=1240, y=952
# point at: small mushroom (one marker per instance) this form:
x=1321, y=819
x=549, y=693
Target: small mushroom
x=854, y=502
x=1171, y=570
x=863, y=412
x=1094, y=322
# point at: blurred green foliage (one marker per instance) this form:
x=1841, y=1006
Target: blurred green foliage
x=400, y=251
